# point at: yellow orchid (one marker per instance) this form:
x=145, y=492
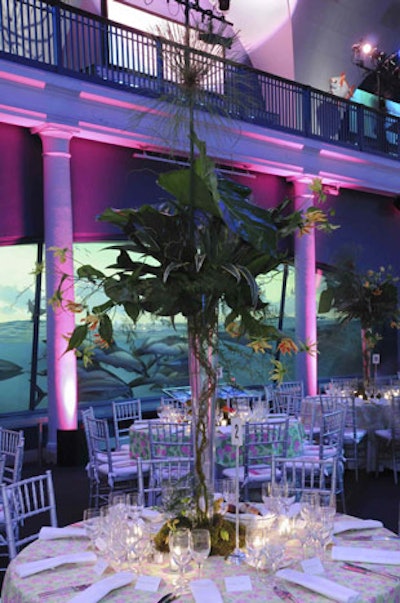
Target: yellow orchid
x=74, y=306
x=259, y=344
x=278, y=372
x=287, y=346
x=92, y=320
x=234, y=329
x=60, y=253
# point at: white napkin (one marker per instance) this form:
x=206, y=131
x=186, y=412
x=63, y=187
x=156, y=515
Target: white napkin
x=34, y=567
x=343, y=525
x=323, y=586
x=100, y=589
x=365, y=555
x=152, y=515
x=50, y=533
x=205, y=591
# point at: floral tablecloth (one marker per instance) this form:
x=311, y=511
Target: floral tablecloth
x=224, y=450
x=372, y=588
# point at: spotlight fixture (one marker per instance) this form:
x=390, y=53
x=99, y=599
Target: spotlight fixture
x=224, y=4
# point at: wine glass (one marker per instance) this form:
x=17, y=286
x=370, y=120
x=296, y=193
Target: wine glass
x=91, y=519
x=179, y=547
x=200, y=546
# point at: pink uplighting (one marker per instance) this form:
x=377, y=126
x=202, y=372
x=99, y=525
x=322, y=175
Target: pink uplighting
x=106, y=100
x=20, y=79
x=341, y=156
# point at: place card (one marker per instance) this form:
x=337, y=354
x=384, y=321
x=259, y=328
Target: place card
x=312, y=566
x=148, y=583
x=238, y=583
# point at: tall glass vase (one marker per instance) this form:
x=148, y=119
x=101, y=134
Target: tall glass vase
x=203, y=384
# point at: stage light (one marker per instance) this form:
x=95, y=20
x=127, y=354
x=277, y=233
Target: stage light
x=366, y=48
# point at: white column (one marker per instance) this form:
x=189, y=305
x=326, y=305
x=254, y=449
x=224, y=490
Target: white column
x=58, y=228
x=305, y=292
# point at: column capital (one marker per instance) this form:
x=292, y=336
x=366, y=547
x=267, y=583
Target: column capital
x=55, y=137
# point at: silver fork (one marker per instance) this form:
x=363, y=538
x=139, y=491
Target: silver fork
x=77, y=588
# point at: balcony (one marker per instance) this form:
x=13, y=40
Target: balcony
x=58, y=38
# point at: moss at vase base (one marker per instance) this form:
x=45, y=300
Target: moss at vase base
x=223, y=534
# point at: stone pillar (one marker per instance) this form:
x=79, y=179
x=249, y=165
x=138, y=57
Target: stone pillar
x=58, y=228
x=305, y=292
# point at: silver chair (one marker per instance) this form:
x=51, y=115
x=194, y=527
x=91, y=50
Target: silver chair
x=355, y=439
x=170, y=440
x=388, y=440
x=109, y=470
x=287, y=403
x=124, y=414
x=262, y=441
x=292, y=387
x=23, y=502
x=157, y=476
x=12, y=444
x=330, y=444
x=306, y=475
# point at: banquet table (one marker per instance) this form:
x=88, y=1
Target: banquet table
x=225, y=452
x=371, y=588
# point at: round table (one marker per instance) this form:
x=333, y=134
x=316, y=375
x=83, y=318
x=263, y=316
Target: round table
x=225, y=452
x=372, y=588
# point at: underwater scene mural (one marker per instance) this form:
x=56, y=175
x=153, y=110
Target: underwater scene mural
x=148, y=358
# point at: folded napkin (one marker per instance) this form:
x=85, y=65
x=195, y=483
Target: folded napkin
x=205, y=591
x=323, y=586
x=152, y=515
x=344, y=525
x=100, y=589
x=34, y=567
x=365, y=555
x=224, y=429
x=50, y=533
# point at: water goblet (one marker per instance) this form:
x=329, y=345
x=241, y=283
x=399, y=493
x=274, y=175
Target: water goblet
x=200, y=546
x=134, y=504
x=179, y=547
x=255, y=542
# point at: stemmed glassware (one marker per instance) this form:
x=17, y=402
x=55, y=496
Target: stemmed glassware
x=200, y=546
x=180, y=550
x=255, y=543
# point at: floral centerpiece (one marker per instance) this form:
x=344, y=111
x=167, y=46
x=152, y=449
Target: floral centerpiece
x=369, y=296
x=202, y=248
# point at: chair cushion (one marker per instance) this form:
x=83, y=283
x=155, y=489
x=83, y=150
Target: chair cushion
x=348, y=436
x=385, y=434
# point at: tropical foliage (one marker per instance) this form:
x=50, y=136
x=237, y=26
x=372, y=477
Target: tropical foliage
x=370, y=297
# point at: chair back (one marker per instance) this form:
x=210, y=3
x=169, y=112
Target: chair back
x=292, y=387
x=170, y=440
x=166, y=482
x=87, y=412
x=395, y=418
x=124, y=414
x=306, y=475
x=332, y=432
x=12, y=445
x=23, y=502
x=287, y=403
x=99, y=442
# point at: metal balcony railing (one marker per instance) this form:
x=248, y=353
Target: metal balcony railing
x=59, y=38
